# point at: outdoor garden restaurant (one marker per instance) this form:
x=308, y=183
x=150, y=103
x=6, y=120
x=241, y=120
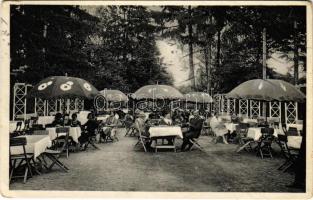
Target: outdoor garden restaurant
x=254, y=115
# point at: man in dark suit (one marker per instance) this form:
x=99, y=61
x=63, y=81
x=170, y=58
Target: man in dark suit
x=195, y=126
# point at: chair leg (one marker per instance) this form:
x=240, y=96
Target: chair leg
x=43, y=161
x=56, y=161
x=34, y=162
x=29, y=167
x=127, y=130
x=25, y=174
x=196, y=144
x=12, y=170
x=243, y=146
x=270, y=151
x=137, y=143
x=288, y=166
x=261, y=153
x=143, y=144
x=94, y=146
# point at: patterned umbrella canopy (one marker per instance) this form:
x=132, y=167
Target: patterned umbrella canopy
x=267, y=90
x=114, y=95
x=198, y=97
x=56, y=87
x=157, y=92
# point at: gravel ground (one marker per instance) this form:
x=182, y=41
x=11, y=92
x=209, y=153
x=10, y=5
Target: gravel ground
x=119, y=166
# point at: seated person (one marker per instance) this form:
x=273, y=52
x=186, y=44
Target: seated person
x=186, y=115
x=128, y=119
x=214, y=121
x=89, y=130
x=218, y=129
x=109, y=126
x=191, y=116
x=74, y=121
x=140, y=124
x=154, y=115
x=178, y=117
x=58, y=121
x=234, y=118
x=195, y=126
x=116, y=115
x=166, y=120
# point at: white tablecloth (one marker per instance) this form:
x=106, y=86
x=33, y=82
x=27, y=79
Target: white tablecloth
x=160, y=131
x=103, y=118
x=247, y=120
x=294, y=141
x=74, y=132
x=230, y=126
x=36, y=144
x=224, y=118
x=256, y=134
x=44, y=120
x=12, y=126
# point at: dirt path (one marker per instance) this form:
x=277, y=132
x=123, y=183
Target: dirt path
x=119, y=166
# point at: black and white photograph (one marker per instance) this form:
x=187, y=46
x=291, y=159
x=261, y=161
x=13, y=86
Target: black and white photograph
x=193, y=97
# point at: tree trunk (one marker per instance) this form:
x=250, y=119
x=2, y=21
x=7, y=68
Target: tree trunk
x=190, y=44
x=206, y=64
x=207, y=60
x=218, y=49
x=264, y=67
x=264, y=53
x=296, y=55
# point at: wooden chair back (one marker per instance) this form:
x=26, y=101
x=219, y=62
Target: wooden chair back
x=292, y=131
x=18, y=126
x=18, y=141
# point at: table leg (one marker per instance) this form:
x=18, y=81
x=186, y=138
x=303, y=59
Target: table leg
x=174, y=145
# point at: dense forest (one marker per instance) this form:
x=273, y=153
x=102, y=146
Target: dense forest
x=115, y=46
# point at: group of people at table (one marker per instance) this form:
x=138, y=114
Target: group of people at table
x=190, y=123
x=166, y=125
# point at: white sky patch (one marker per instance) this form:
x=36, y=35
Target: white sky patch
x=279, y=65
x=175, y=61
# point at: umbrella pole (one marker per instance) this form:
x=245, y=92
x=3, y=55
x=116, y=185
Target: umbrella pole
x=264, y=107
x=64, y=105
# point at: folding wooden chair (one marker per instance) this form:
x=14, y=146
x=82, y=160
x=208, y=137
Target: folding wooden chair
x=63, y=139
x=142, y=140
x=24, y=157
x=290, y=155
x=55, y=154
x=244, y=141
x=195, y=142
x=108, y=137
x=18, y=129
x=206, y=128
x=92, y=137
x=264, y=145
x=130, y=129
